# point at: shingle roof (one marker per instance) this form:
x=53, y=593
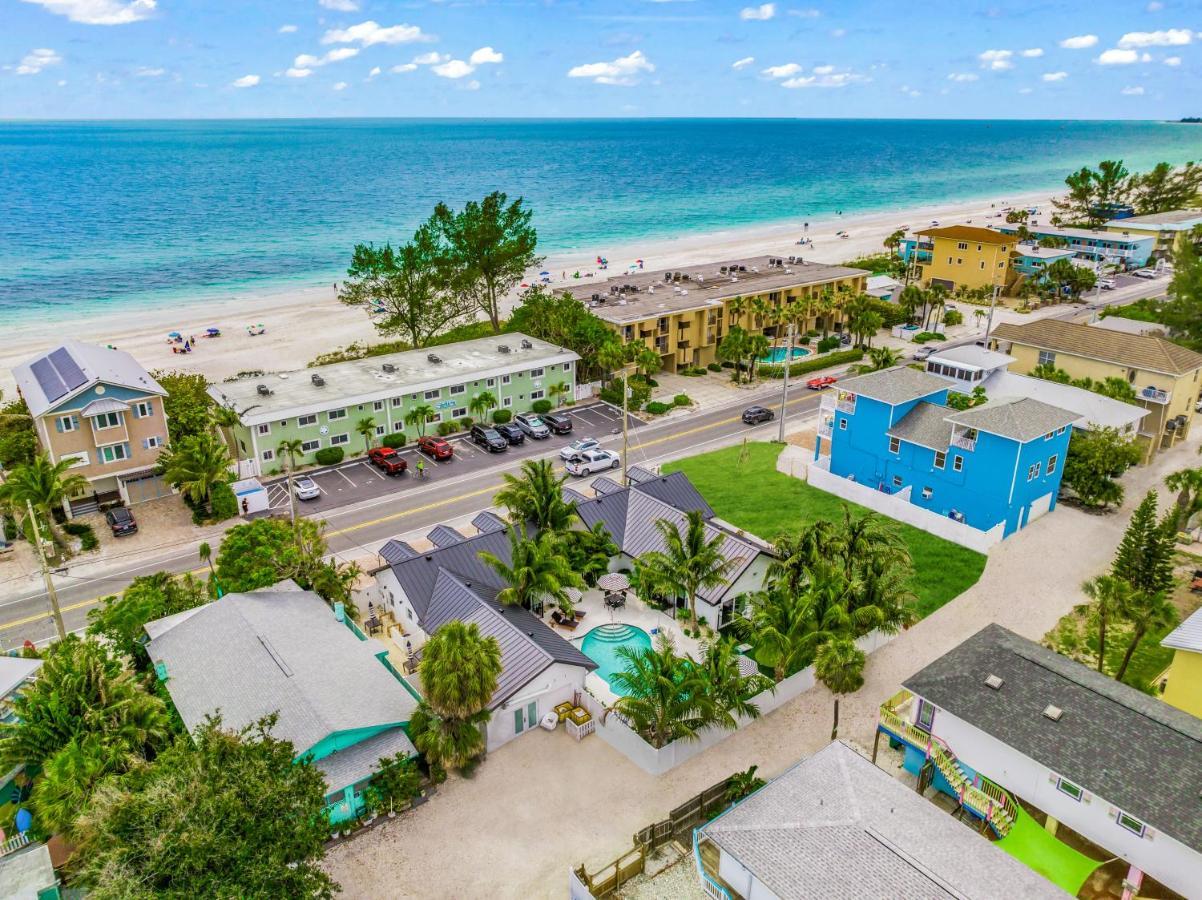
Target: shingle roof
x=1130, y=749
x=926, y=424
x=893, y=386
x=967, y=233
x=836, y=826
x=249, y=655
x=1023, y=418
x=358, y=761
x=96, y=365
x=1187, y=635
x=1137, y=351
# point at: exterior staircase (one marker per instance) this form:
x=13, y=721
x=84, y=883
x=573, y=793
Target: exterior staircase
x=981, y=797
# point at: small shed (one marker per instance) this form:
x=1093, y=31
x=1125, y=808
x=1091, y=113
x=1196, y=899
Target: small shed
x=252, y=496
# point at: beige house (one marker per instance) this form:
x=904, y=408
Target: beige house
x=98, y=407
x=1164, y=375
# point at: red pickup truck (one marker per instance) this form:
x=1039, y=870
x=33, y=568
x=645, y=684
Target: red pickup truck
x=822, y=381
x=387, y=460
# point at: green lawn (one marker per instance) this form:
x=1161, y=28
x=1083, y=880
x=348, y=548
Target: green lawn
x=752, y=495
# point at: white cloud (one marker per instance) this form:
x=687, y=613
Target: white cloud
x=403, y=67
x=1172, y=60
x=837, y=80
x=339, y=5
x=1080, y=42
x=373, y=73
x=782, y=71
x=485, y=55
x=1117, y=58
x=35, y=60
x=298, y=73
x=996, y=59
x=287, y=29
x=742, y=63
x=340, y=86
x=245, y=81
x=1173, y=37
x=430, y=59
x=100, y=12
x=823, y=70
x=1054, y=76
x=1032, y=53
x=624, y=70
x=148, y=72
x=963, y=76
x=1132, y=92
x=338, y=54
x=761, y=13
x=369, y=33
x=453, y=68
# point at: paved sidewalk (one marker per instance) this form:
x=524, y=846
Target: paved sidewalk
x=544, y=803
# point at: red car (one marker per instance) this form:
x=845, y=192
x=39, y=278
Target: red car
x=387, y=460
x=822, y=381
x=435, y=447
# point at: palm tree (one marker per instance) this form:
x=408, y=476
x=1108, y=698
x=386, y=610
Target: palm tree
x=611, y=357
x=291, y=448
x=482, y=403
x=880, y=358
x=646, y=360
x=758, y=346
x=979, y=315
x=894, y=240
x=1188, y=484
x=1146, y=612
x=225, y=419
x=536, y=496
x=664, y=696
x=537, y=571
x=909, y=300
x=195, y=465
x=735, y=307
x=826, y=306
x=1109, y=594
x=727, y=685
x=43, y=485
x=761, y=310
x=689, y=562
x=559, y=392
x=68, y=779
x=419, y=416
x=839, y=664
x=781, y=626
x=459, y=673
x=589, y=551
x=366, y=428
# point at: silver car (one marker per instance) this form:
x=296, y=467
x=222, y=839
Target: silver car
x=306, y=489
x=532, y=425
x=578, y=446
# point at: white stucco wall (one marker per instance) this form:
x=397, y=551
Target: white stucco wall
x=548, y=689
x=398, y=604
x=1165, y=859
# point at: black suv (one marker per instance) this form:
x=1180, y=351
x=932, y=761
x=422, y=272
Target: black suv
x=559, y=423
x=121, y=521
x=753, y=415
x=511, y=433
x=488, y=438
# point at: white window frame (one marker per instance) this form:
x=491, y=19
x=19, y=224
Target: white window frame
x=536, y=373
x=66, y=423
x=143, y=409
x=334, y=415
x=306, y=421
x=458, y=388
x=107, y=417
x=337, y=440
x=1034, y=469
x=928, y=493
x=432, y=395
x=490, y=382
x=940, y=459
x=537, y=395
x=154, y=442
x=957, y=463
x=1046, y=358
x=268, y=455
x=101, y=456
x=505, y=379
x=398, y=401
x=381, y=430
x=843, y=424
x=263, y=429
x=398, y=427
x=306, y=448
x=898, y=481
x=459, y=412
x=507, y=402
x=378, y=405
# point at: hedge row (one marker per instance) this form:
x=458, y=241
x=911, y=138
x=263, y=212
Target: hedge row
x=812, y=365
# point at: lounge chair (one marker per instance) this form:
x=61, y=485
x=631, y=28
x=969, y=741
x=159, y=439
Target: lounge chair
x=580, y=614
x=557, y=617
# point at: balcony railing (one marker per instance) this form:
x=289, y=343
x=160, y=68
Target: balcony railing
x=964, y=442
x=846, y=403
x=825, y=427
x=1155, y=395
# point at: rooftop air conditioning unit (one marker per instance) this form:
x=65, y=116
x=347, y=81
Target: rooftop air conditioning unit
x=317, y=380
x=994, y=682
x=596, y=296
x=503, y=348
x=434, y=358
x=264, y=390
x=1052, y=712
x=388, y=367
x=526, y=345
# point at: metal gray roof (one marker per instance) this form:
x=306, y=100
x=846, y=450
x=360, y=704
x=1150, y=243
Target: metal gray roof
x=637, y=475
x=248, y=655
x=1130, y=749
x=573, y=496
x=417, y=575
x=1092, y=409
x=926, y=425
x=836, y=826
x=395, y=551
x=676, y=489
x=444, y=536
x=1186, y=636
x=104, y=405
x=14, y=670
x=360, y=760
x=894, y=386
x=489, y=521
x=603, y=484
x=1022, y=419
x=48, y=380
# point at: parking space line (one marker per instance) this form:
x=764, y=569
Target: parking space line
x=348, y=481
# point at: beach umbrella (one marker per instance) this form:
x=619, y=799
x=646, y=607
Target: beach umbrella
x=573, y=595
x=544, y=273
x=613, y=581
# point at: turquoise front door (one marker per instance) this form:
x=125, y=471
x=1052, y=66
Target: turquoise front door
x=525, y=718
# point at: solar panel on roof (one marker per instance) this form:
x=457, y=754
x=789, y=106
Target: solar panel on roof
x=68, y=369
x=48, y=379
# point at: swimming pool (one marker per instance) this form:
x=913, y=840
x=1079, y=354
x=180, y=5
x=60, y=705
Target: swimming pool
x=602, y=643
x=778, y=354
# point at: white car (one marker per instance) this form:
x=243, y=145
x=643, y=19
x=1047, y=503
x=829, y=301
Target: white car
x=1106, y=284
x=306, y=489
x=578, y=446
x=1144, y=273
x=591, y=461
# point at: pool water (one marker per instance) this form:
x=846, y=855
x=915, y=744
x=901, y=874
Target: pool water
x=778, y=354
x=602, y=643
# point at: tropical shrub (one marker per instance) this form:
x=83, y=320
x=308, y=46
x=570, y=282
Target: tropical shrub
x=447, y=428
x=464, y=423
x=953, y=317
x=923, y=336
x=396, y=781
x=656, y=408
x=396, y=440
x=85, y=533
x=682, y=400
x=714, y=367
x=541, y=406
x=224, y=503
x=828, y=343
x=329, y=456
x=640, y=392
x=501, y=416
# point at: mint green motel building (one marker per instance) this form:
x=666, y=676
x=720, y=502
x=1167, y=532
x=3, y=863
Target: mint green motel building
x=323, y=406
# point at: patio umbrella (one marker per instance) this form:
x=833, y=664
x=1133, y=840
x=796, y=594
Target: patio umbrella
x=573, y=595
x=747, y=666
x=613, y=581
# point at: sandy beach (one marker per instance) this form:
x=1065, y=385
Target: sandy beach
x=302, y=322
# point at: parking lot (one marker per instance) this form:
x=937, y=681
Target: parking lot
x=357, y=480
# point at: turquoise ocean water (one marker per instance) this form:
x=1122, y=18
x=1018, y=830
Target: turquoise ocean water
x=95, y=215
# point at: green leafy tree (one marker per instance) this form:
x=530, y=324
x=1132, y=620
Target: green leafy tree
x=880, y=358
x=407, y=291
x=1109, y=595
x=839, y=664
x=588, y=551
x=419, y=417
x=536, y=572
x=290, y=449
x=64, y=788
x=559, y=392
x=894, y=240
x=1144, y=558
x=396, y=781
x=1183, y=311
x=1188, y=484
x=225, y=419
x=1094, y=462
x=44, y=486
x=563, y=320
x=536, y=497
x=782, y=630
x=120, y=620
x=195, y=465
x=489, y=246
x=1093, y=192
x=188, y=406
x=18, y=440
x=1165, y=188
x=664, y=697
x=482, y=403
x=1144, y=612
x=689, y=563
x=228, y=815
x=366, y=429
x=459, y=672
x=730, y=688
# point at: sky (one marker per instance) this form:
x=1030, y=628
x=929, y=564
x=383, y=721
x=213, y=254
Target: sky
x=608, y=58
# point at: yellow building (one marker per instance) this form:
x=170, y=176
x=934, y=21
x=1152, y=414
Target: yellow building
x=1182, y=681
x=1163, y=226
x=1165, y=375
x=964, y=256
x=683, y=314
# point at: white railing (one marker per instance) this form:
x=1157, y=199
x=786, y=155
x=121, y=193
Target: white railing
x=825, y=427
x=15, y=843
x=964, y=443
x=712, y=889
x=847, y=405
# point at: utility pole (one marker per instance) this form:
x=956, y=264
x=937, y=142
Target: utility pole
x=784, y=393
x=625, y=421
x=50, y=592
x=992, y=299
